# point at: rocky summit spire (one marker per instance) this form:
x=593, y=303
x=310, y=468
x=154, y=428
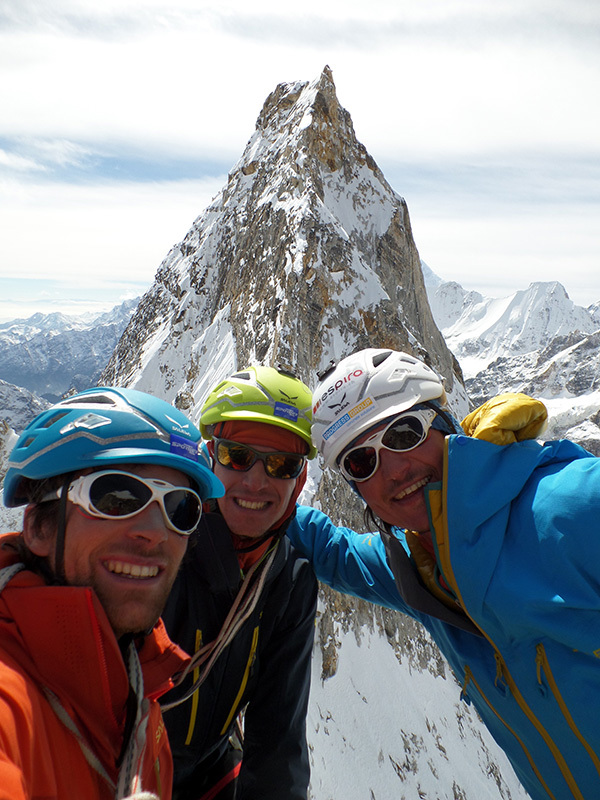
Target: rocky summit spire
x=305, y=255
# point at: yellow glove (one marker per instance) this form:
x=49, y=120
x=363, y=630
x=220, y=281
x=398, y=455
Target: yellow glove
x=507, y=418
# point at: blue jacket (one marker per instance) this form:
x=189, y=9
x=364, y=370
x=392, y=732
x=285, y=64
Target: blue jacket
x=517, y=538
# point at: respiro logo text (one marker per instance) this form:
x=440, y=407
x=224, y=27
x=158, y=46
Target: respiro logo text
x=335, y=386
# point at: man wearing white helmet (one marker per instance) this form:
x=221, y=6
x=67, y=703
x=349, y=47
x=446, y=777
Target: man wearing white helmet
x=493, y=549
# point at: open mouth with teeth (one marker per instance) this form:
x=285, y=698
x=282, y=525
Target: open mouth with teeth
x=135, y=571
x=412, y=489
x=252, y=505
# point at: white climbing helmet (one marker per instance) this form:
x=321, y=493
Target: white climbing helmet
x=363, y=389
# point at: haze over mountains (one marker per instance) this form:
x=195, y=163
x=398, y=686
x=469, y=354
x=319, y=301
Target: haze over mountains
x=306, y=254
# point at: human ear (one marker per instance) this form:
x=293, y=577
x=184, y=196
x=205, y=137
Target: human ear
x=39, y=537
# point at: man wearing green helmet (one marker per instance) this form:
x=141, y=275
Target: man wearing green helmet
x=244, y=602
x=113, y=482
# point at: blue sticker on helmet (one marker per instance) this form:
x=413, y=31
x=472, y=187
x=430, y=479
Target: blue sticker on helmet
x=286, y=411
x=184, y=447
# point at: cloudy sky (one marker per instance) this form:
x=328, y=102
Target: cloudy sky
x=121, y=118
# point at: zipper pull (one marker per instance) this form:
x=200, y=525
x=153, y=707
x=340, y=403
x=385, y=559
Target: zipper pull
x=539, y=668
x=498, y=677
x=467, y=680
x=538, y=663
x=499, y=680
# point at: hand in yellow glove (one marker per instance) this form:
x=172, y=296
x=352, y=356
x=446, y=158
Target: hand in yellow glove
x=507, y=418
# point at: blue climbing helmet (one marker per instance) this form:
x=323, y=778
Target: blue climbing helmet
x=106, y=426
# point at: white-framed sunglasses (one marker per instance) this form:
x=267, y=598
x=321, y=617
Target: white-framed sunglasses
x=111, y=494
x=405, y=432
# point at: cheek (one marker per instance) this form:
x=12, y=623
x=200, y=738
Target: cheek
x=286, y=494
x=178, y=547
x=227, y=477
x=369, y=490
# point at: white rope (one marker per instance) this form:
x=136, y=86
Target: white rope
x=129, y=781
x=240, y=611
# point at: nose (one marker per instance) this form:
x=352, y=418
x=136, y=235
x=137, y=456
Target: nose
x=256, y=477
x=393, y=464
x=149, y=524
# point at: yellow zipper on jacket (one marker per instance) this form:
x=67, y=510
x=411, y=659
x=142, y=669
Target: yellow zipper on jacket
x=244, y=681
x=196, y=673
x=470, y=678
x=543, y=665
x=443, y=546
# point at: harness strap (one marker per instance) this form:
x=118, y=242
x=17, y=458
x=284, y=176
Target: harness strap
x=8, y=573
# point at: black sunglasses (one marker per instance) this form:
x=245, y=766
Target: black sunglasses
x=238, y=456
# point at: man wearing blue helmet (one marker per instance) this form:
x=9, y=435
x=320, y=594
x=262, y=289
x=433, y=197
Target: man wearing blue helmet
x=113, y=481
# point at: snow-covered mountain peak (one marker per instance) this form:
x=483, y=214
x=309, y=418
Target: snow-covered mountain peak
x=305, y=254
x=520, y=323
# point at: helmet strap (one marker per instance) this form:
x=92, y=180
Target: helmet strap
x=59, y=550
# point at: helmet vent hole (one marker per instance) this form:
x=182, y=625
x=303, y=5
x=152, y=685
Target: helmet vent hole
x=380, y=358
x=90, y=399
x=56, y=418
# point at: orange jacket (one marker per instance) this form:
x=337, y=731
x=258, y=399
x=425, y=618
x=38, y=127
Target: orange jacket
x=58, y=638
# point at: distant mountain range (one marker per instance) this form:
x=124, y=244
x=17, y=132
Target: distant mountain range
x=535, y=341
x=52, y=354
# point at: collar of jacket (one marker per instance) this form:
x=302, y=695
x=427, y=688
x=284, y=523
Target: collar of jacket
x=469, y=511
x=214, y=560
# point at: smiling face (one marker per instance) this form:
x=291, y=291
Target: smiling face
x=395, y=493
x=131, y=563
x=253, y=501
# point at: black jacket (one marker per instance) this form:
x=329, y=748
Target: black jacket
x=266, y=667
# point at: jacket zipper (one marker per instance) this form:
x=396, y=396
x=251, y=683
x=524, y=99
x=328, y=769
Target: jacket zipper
x=194, y=710
x=502, y=671
x=469, y=678
x=543, y=665
x=242, y=689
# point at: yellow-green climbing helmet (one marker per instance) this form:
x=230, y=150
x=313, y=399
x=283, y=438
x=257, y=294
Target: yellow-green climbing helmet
x=261, y=394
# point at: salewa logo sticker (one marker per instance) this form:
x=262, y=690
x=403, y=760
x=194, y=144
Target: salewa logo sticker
x=288, y=397
x=337, y=408
x=184, y=447
x=87, y=421
x=178, y=425
x=285, y=411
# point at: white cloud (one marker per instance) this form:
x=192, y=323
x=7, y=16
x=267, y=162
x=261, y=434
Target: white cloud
x=88, y=86
x=96, y=235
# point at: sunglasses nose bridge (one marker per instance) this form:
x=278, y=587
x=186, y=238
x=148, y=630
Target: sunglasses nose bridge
x=256, y=474
x=150, y=522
